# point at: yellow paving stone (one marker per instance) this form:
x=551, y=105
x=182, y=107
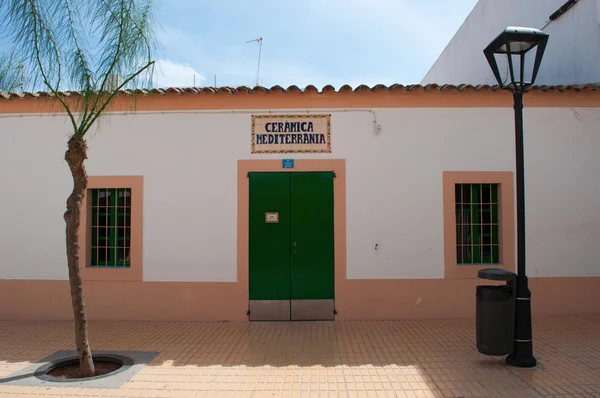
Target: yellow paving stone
x=426, y=358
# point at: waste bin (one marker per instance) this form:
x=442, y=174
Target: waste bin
x=495, y=313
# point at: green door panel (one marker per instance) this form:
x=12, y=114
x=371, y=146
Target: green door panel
x=312, y=257
x=269, y=250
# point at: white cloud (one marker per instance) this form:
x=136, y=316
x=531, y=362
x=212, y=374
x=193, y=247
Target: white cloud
x=171, y=74
x=349, y=41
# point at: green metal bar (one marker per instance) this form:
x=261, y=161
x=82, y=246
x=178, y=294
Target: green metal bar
x=127, y=227
x=459, y=227
x=468, y=235
x=94, y=228
x=475, y=233
x=495, y=240
x=112, y=258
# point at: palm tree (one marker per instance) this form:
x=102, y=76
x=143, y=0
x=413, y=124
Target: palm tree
x=11, y=77
x=82, y=46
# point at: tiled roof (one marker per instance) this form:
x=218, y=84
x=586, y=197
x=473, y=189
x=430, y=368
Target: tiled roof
x=326, y=89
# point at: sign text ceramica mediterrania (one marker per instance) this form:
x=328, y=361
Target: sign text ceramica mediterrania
x=291, y=133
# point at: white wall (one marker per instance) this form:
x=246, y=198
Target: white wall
x=394, y=183
x=572, y=55
x=394, y=187
x=34, y=186
x=562, y=191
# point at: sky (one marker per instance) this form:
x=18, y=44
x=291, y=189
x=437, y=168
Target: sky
x=316, y=42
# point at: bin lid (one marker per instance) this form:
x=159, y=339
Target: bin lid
x=496, y=274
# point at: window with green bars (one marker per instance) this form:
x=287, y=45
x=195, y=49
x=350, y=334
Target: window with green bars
x=111, y=227
x=477, y=224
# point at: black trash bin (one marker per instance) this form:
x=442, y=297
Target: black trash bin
x=495, y=313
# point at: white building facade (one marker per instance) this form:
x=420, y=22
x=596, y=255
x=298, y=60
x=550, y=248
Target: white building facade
x=572, y=55
x=397, y=162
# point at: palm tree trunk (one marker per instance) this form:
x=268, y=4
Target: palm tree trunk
x=75, y=157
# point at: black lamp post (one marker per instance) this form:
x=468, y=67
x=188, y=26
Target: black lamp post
x=514, y=43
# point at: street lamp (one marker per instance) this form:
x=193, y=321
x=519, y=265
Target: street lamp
x=515, y=44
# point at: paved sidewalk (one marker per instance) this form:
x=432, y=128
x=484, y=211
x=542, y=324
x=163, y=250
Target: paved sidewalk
x=435, y=358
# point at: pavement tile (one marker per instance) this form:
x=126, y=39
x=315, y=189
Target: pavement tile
x=413, y=358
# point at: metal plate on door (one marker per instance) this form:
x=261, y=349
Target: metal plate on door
x=271, y=218
x=312, y=310
x=269, y=310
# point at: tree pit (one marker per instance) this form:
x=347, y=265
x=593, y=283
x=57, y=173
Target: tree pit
x=68, y=369
x=72, y=370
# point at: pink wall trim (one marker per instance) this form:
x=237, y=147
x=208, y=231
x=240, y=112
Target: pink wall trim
x=371, y=299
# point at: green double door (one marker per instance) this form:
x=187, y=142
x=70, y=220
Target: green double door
x=291, y=264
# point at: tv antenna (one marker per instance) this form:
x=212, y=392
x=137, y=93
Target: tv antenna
x=259, y=41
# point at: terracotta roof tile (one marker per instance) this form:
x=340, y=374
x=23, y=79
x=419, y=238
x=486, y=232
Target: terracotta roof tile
x=311, y=88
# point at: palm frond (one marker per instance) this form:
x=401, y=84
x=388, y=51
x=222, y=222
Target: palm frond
x=11, y=73
x=94, y=47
